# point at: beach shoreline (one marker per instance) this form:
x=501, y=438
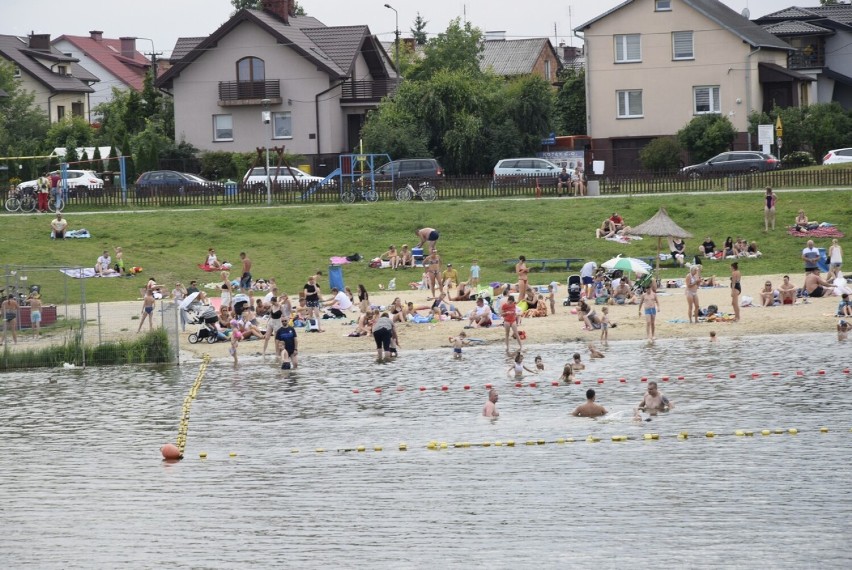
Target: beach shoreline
x=815, y=315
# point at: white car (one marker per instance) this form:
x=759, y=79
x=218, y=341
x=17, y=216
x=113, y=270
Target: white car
x=281, y=176
x=524, y=170
x=77, y=180
x=838, y=156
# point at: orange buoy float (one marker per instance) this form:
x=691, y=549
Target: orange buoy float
x=171, y=452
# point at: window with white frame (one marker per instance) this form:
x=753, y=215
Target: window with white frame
x=223, y=128
x=629, y=104
x=706, y=99
x=682, y=47
x=663, y=6
x=627, y=48
x=282, y=125
x=547, y=74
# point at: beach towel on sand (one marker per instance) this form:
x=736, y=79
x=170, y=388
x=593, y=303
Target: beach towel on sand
x=208, y=268
x=820, y=232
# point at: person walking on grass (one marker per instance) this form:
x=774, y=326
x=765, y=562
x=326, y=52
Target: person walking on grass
x=147, y=311
x=769, y=201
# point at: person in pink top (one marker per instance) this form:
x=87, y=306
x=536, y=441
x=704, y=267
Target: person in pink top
x=510, y=321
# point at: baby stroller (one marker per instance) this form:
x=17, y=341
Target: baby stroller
x=643, y=283
x=574, y=290
x=206, y=316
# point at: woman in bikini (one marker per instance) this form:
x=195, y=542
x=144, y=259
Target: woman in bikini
x=433, y=271
x=523, y=276
x=693, y=281
x=736, y=289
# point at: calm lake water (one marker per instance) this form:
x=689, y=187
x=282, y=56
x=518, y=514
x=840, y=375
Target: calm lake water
x=82, y=484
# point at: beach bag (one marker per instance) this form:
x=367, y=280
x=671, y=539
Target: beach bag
x=354, y=257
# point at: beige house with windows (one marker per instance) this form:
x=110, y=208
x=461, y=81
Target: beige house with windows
x=61, y=86
x=269, y=78
x=654, y=65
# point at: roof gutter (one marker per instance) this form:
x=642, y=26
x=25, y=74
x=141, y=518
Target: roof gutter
x=748, y=87
x=317, y=108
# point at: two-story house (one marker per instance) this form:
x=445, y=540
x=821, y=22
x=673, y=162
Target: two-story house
x=822, y=38
x=512, y=58
x=115, y=61
x=654, y=65
x=61, y=86
x=270, y=78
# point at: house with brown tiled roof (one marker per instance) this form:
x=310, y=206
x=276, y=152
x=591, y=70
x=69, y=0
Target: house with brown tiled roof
x=271, y=78
x=60, y=84
x=116, y=62
x=822, y=39
x=513, y=58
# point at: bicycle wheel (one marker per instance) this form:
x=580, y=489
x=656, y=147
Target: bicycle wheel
x=371, y=195
x=403, y=194
x=428, y=194
x=348, y=197
x=55, y=204
x=28, y=203
x=13, y=204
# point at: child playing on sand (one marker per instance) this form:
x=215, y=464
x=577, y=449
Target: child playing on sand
x=551, y=299
x=458, y=343
x=604, y=325
x=474, y=275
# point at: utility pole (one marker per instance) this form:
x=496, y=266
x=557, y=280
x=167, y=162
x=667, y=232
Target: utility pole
x=396, y=34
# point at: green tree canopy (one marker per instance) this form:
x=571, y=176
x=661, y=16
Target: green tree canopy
x=570, y=111
x=69, y=128
x=706, y=136
x=23, y=124
x=814, y=129
x=418, y=32
x=459, y=48
x=258, y=4
x=661, y=155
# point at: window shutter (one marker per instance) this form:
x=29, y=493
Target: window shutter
x=682, y=45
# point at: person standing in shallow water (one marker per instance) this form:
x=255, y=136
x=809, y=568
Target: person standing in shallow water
x=651, y=304
x=490, y=409
x=736, y=289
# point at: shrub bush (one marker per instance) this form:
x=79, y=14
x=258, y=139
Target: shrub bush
x=798, y=159
x=661, y=155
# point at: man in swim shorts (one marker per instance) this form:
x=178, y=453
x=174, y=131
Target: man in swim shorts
x=147, y=310
x=490, y=409
x=245, y=279
x=787, y=291
x=9, y=308
x=587, y=276
x=590, y=409
x=816, y=286
x=35, y=314
x=427, y=235
x=654, y=401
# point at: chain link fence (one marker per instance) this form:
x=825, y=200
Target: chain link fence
x=59, y=326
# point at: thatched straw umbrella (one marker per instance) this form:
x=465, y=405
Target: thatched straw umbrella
x=660, y=225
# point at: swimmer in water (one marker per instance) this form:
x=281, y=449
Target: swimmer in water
x=654, y=401
x=594, y=352
x=590, y=409
x=490, y=409
x=842, y=329
x=539, y=363
x=578, y=364
x=458, y=343
x=518, y=366
x=567, y=374
x=713, y=336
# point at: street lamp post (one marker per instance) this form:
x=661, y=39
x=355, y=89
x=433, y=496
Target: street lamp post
x=267, y=119
x=396, y=34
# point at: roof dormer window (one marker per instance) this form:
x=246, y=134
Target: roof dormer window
x=17, y=72
x=62, y=70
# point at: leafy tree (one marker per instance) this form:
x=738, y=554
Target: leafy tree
x=661, y=155
x=76, y=128
x=570, y=110
x=827, y=126
x=71, y=155
x=419, y=30
x=112, y=163
x=395, y=131
x=147, y=146
x=258, y=4
x=530, y=104
x=459, y=48
x=706, y=136
x=22, y=123
x=97, y=162
x=84, y=163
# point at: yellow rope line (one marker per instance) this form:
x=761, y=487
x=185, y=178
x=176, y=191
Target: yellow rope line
x=187, y=403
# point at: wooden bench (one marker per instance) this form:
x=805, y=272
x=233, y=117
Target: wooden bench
x=567, y=261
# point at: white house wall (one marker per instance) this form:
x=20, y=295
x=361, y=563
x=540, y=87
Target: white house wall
x=103, y=89
x=196, y=95
x=667, y=85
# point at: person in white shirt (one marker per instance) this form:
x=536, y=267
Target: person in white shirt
x=810, y=255
x=104, y=263
x=587, y=276
x=339, y=302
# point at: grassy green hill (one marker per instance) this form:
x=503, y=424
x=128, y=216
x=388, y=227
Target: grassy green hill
x=289, y=243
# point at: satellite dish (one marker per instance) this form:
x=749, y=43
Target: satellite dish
x=746, y=14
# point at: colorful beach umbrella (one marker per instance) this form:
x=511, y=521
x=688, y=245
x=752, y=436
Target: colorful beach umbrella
x=630, y=264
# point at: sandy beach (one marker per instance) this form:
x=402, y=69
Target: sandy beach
x=564, y=326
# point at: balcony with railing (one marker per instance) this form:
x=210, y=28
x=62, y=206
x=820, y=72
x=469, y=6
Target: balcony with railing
x=806, y=60
x=367, y=91
x=233, y=93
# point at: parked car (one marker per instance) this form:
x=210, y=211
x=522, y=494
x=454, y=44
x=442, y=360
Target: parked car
x=410, y=170
x=78, y=181
x=838, y=156
x=734, y=162
x=527, y=170
x=280, y=176
x=180, y=182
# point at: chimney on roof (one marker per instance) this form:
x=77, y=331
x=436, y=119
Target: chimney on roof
x=284, y=9
x=39, y=41
x=96, y=35
x=128, y=47
x=495, y=35
x=570, y=53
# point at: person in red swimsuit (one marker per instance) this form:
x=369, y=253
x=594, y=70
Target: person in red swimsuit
x=510, y=321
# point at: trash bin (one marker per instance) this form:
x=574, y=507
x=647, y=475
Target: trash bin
x=593, y=188
x=335, y=277
x=231, y=188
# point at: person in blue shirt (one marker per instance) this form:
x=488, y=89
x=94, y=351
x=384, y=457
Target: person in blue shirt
x=287, y=345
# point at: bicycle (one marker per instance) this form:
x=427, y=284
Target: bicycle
x=424, y=191
x=23, y=200
x=350, y=196
x=56, y=203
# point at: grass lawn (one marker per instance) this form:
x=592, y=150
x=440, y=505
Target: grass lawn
x=289, y=243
